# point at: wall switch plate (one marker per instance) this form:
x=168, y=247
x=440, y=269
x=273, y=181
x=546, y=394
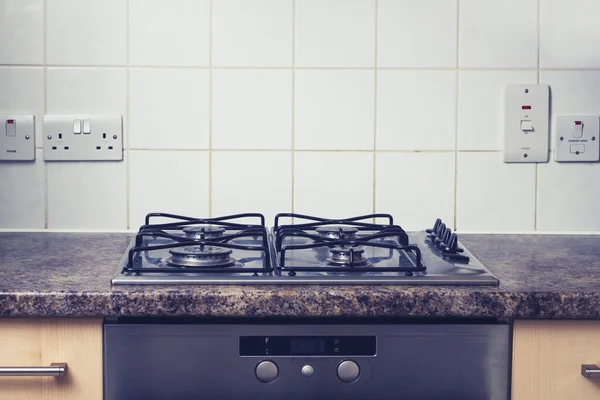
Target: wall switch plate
x=576, y=138
x=526, y=123
x=17, y=137
x=83, y=137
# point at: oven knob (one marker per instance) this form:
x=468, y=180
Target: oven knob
x=348, y=371
x=267, y=371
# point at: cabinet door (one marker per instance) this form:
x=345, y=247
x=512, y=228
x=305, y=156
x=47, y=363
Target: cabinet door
x=547, y=359
x=37, y=342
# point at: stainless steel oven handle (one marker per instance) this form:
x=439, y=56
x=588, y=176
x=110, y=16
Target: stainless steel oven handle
x=590, y=371
x=55, y=369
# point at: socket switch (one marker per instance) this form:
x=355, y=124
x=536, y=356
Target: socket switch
x=17, y=138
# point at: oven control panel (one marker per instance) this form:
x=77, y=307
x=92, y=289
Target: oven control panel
x=308, y=346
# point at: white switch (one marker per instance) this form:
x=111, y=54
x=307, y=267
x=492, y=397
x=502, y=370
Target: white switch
x=87, y=126
x=577, y=129
x=526, y=126
x=17, y=141
x=10, y=127
x=577, y=138
x=77, y=126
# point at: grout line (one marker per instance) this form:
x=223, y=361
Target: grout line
x=456, y=99
x=311, y=150
x=210, y=109
x=126, y=125
x=201, y=67
x=375, y=79
x=45, y=80
x=293, y=166
x=535, y=198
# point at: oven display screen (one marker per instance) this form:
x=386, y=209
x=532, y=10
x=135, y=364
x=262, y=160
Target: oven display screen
x=299, y=346
x=308, y=345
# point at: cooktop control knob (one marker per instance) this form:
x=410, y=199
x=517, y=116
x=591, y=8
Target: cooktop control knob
x=267, y=371
x=348, y=371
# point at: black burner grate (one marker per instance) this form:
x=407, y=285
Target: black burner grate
x=379, y=231
x=169, y=231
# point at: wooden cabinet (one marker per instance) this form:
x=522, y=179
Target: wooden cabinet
x=38, y=342
x=547, y=359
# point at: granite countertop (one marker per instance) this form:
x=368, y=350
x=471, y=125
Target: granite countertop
x=68, y=274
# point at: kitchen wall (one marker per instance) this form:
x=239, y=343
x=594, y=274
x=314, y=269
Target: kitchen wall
x=327, y=107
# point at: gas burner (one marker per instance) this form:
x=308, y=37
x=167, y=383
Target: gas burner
x=337, y=232
x=201, y=256
x=198, y=232
x=350, y=256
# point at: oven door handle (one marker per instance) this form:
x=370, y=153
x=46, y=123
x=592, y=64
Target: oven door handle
x=590, y=371
x=55, y=369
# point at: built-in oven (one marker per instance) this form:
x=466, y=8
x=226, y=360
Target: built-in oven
x=304, y=359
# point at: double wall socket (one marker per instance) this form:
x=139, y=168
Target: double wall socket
x=17, y=138
x=83, y=137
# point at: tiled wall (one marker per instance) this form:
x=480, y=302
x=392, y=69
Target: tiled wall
x=331, y=107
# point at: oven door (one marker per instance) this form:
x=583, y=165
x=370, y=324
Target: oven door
x=306, y=361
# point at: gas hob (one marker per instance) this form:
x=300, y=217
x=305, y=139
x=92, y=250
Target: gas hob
x=368, y=249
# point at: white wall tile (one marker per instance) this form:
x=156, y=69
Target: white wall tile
x=334, y=110
x=498, y=34
x=493, y=196
x=480, y=104
x=252, y=109
x=400, y=190
x=252, y=33
x=86, y=90
x=90, y=32
x=169, y=108
x=174, y=182
x=333, y=184
x=573, y=92
x=568, y=197
x=416, y=110
x=22, y=32
x=244, y=173
x=22, y=92
x=175, y=32
x=23, y=194
x=417, y=33
x=87, y=195
x=569, y=33
x=335, y=33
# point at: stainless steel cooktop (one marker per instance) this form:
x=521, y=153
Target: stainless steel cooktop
x=311, y=250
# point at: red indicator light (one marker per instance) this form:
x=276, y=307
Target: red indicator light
x=526, y=107
x=10, y=121
x=578, y=122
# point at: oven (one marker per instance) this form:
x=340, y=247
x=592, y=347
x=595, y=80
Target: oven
x=306, y=359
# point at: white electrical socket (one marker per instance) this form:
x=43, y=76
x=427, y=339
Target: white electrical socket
x=526, y=123
x=83, y=137
x=17, y=138
x=577, y=138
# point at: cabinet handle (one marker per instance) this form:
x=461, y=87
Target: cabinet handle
x=55, y=369
x=590, y=371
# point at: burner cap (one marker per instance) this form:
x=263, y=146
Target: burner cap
x=350, y=256
x=333, y=231
x=200, y=256
x=209, y=231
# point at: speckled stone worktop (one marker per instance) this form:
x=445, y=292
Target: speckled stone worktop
x=68, y=274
